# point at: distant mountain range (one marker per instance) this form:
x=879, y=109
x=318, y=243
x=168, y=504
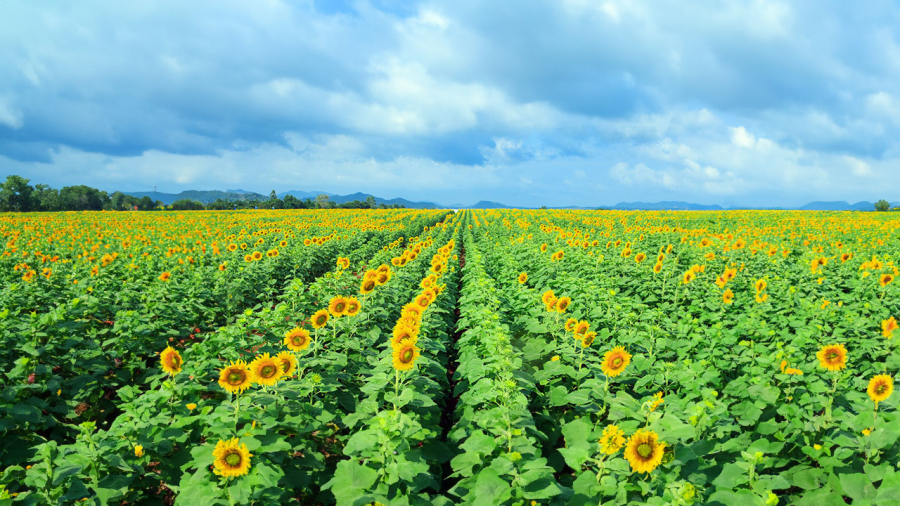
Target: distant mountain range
x=207, y=196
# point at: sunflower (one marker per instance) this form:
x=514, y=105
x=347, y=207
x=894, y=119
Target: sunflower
x=543, y=247
x=846, y=256
x=832, y=357
x=166, y=276
x=547, y=297
x=222, y=266
x=728, y=296
x=615, y=361
x=880, y=388
x=570, y=324
x=353, y=306
x=688, y=277
x=232, y=459
x=588, y=339
x=657, y=267
x=367, y=286
x=343, y=263
x=402, y=332
x=288, y=363
x=612, y=440
x=319, y=318
x=170, y=360
x=561, y=304
x=523, y=278
x=257, y=255
x=297, y=339
x=337, y=306
x=265, y=370
x=383, y=277
x=640, y=257
x=405, y=355
x=760, y=285
x=888, y=327
x=413, y=310
x=885, y=279
x=643, y=451
x=248, y=258
x=235, y=377
x=423, y=300
x=581, y=329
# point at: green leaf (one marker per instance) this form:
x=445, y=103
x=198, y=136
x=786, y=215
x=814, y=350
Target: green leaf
x=490, y=489
x=857, y=486
x=351, y=480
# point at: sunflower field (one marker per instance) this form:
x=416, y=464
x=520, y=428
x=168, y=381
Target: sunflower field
x=409, y=357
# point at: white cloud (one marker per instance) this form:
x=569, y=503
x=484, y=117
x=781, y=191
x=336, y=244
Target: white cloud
x=10, y=116
x=741, y=137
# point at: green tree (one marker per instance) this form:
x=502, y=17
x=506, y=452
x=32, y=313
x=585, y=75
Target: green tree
x=370, y=201
x=882, y=205
x=15, y=194
x=45, y=198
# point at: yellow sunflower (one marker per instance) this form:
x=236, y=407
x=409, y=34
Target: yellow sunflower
x=236, y=377
x=615, y=361
x=888, y=327
x=288, y=363
x=523, y=278
x=265, y=370
x=319, y=318
x=728, y=296
x=423, y=301
x=588, y=339
x=643, y=451
x=880, y=388
x=170, y=360
x=405, y=355
x=832, y=357
x=353, y=306
x=257, y=255
x=657, y=267
x=886, y=279
x=562, y=303
x=367, y=286
x=232, y=458
x=547, y=297
x=337, y=306
x=297, y=339
x=413, y=310
x=401, y=332
x=570, y=324
x=612, y=440
x=581, y=328
x=165, y=277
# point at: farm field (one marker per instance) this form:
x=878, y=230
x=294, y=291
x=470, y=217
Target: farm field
x=409, y=357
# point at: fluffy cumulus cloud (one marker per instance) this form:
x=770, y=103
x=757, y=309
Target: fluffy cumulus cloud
x=575, y=102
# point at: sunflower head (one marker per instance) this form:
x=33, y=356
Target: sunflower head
x=403, y=331
x=547, y=297
x=288, y=363
x=643, y=451
x=170, y=360
x=165, y=277
x=236, y=377
x=588, y=339
x=337, y=306
x=562, y=304
x=523, y=278
x=266, y=370
x=367, y=286
x=570, y=324
x=657, y=267
x=880, y=388
x=728, y=296
x=353, y=306
x=581, y=328
x=615, y=361
x=232, y=458
x=886, y=279
x=405, y=355
x=612, y=440
x=832, y=357
x=297, y=339
x=888, y=327
x=319, y=318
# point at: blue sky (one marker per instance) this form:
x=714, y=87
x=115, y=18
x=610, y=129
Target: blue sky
x=565, y=102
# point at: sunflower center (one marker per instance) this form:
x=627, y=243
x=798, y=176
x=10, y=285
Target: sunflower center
x=617, y=362
x=267, y=371
x=233, y=459
x=880, y=389
x=285, y=365
x=406, y=356
x=645, y=450
x=235, y=378
x=831, y=356
x=340, y=307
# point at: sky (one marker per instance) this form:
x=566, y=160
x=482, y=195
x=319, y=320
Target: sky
x=529, y=103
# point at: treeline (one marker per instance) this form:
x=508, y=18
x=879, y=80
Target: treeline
x=17, y=195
